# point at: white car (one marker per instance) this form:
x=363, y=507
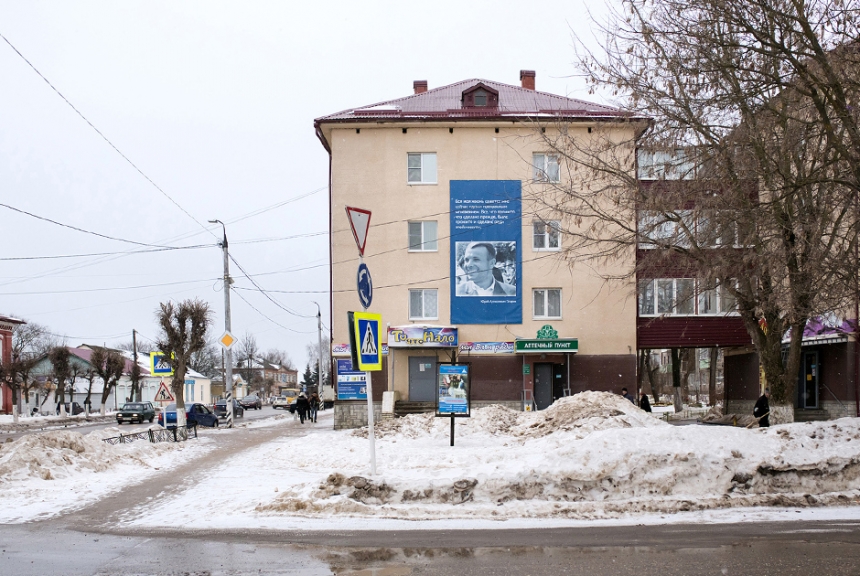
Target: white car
x=281, y=402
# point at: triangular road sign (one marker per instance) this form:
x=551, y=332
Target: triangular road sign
x=163, y=394
x=368, y=344
x=359, y=221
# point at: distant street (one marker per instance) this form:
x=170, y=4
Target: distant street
x=86, y=428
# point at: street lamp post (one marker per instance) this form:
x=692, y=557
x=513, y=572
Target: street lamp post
x=228, y=369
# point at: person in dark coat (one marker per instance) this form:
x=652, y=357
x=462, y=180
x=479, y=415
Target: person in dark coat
x=302, y=407
x=314, y=403
x=627, y=395
x=762, y=409
x=644, y=403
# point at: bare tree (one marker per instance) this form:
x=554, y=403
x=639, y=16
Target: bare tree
x=109, y=365
x=207, y=361
x=248, y=353
x=60, y=359
x=279, y=357
x=749, y=107
x=183, y=332
x=313, y=351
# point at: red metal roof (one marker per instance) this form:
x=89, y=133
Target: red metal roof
x=445, y=103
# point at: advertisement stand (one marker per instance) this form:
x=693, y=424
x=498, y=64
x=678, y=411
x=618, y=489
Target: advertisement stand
x=453, y=395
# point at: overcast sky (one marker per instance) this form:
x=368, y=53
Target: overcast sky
x=213, y=103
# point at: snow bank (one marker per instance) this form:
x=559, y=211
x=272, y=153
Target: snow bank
x=592, y=456
x=44, y=474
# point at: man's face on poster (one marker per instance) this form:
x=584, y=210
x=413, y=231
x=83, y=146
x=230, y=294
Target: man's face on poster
x=478, y=265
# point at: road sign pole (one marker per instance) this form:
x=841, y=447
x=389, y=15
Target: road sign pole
x=370, y=435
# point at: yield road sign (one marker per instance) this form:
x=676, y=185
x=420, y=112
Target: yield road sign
x=163, y=394
x=359, y=221
x=365, y=286
x=227, y=340
x=366, y=330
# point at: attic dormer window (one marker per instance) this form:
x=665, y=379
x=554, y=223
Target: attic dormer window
x=480, y=96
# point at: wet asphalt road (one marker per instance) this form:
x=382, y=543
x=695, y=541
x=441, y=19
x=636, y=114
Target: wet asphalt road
x=88, y=542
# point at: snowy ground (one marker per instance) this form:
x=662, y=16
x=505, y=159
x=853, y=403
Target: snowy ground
x=46, y=474
x=591, y=457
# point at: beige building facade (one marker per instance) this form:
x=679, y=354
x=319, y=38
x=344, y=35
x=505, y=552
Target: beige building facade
x=466, y=266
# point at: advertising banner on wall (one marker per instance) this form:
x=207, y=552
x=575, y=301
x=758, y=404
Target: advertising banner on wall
x=453, y=396
x=486, y=252
x=351, y=384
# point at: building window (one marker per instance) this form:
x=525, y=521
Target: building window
x=546, y=235
x=547, y=303
x=480, y=97
x=545, y=167
x=423, y=305
x=421, y=168
x=422, y=236
x=684, y=297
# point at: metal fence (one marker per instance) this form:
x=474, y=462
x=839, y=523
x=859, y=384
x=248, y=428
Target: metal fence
x=174, y=434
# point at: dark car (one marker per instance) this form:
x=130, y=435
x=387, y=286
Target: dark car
x=138, y=411
x=221, y=409
x=251, y=401
x=74, y=411
x=196, y=414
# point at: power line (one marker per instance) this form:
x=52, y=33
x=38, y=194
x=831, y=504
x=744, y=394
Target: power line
x=263, y=292
x=69, y=226
x=127, y=252
x=105, y=138
x=30, y=292
x=257, y=310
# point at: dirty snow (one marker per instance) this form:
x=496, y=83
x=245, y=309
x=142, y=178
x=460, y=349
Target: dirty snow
x=594, y=456
x=45, y=474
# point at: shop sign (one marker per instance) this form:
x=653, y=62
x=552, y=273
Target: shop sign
x=487, y=347
x=345, y=350
x=351, y=384
x=544, y=346
x=453, y=393
x=422, y=336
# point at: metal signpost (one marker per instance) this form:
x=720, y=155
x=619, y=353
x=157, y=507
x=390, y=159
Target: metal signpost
x=365, y=327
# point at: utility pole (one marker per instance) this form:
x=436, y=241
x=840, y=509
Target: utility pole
x=137, y=391
x=319, y=357
x=228, y=368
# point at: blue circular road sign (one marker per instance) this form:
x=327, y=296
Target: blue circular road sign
x=365, y=286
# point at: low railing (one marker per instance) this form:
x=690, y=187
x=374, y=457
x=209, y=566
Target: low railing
x=173, y=434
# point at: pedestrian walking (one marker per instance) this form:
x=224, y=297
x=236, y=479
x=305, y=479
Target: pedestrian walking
x=302, y=407
x=644, y=403
x=761, y=410
x=314, y=407
x=627, y=395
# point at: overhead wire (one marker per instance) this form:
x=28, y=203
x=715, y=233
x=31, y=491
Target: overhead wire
x=105, y=138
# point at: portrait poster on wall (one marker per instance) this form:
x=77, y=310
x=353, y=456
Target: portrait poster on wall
x=486, y=252
x=454, y=388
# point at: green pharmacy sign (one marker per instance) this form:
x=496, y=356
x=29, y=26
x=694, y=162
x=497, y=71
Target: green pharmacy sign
x=547, y=341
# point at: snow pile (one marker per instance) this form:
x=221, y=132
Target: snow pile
x=581, y=414
x=48, y=473
x=592, y=456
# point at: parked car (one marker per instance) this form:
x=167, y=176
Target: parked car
x=76, y=409
x=251, y=401
x=221, y=409
x=139, y=411
x=196, y=414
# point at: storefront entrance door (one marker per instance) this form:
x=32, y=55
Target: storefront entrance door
x=809, y=385
x=422, y=379
x=543, y=385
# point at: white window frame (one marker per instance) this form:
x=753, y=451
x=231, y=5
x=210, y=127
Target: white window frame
x=545, y=236
x=700, y=292
x=541, y=167
x=544, y=297
x=423, y=246
x=425, y=167
x=423, y=315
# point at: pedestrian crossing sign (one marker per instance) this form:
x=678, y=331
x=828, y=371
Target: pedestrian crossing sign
x=366, y=329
